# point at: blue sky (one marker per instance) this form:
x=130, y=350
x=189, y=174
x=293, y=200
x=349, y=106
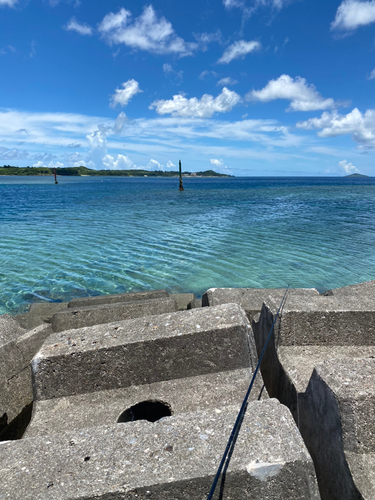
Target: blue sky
x=247, y=87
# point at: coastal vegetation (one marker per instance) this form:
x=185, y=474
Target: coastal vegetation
x=84, y=171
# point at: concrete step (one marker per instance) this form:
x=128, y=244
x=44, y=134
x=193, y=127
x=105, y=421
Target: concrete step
x=336, y=417
x=120, y=297
x=105, y=313
x=175, y=458
x=184, y=395
x=251, y=299
x=144, y=351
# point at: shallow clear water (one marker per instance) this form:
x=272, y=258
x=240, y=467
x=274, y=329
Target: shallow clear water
x=88, y=236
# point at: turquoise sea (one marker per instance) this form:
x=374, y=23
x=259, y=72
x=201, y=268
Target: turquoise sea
x=89, y=236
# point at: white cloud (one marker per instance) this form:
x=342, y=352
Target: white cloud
x=44, y=157
x=347, y=167
x=372, y=75
x=217, y=163
x=170, y=164
x=220, y=166
x=176, y=76
x=8, y=3
x=238, y=50
x=8, y=154
x=51, y=164
x=198, y=108
x=302, y=96
x=206, y=73
x=147, y=32
x=241, y=4
x=230, y=4
x=123, y=96
x=120, y=163
x=227, y=81
x=154, y=165
x=352, y=14
x=360, y=126
x=82, y=29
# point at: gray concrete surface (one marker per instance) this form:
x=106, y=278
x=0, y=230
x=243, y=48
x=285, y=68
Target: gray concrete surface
x=175, y=458
x=119, y=297
x=366, y=289
x=15, y=375
x=144, y=351
x=211, y=391
x=336, y=417
x=182, y=300
x=251, y=299
x=9, y=329
x=105, y=313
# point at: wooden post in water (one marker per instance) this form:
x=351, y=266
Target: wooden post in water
x=54, y=171
x=179, y=166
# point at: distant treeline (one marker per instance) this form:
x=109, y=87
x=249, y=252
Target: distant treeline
x=9, y=170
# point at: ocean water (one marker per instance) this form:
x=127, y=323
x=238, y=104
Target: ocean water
x=90, y=236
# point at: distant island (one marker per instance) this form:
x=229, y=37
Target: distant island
x=84, y=171
x=356, y=175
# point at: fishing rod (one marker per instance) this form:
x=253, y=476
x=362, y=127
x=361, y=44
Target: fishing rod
x=237, y=425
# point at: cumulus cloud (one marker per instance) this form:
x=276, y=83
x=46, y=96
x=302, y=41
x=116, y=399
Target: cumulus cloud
x=360, y=126
x=238, y=50
x=98, y=157
x=217, y=163
x=8, y=3
x=302, y=96
x=170, y=164
x=348, y=168
x=120, y=163
x=352, y=14
x=227, y=81
x=13, y=154
x=147, y=32
x=44, y=157
x=197, y=108
x=154, y=165
x=123, y=95
x=220, y=166
x=82, y=29
x=51, y=164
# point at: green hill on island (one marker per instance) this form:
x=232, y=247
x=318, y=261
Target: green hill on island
x=79, y=171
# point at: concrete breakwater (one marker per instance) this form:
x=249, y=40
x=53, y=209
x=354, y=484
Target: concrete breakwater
x=135, y=395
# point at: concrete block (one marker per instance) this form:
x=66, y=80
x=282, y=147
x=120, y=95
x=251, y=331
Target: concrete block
x=144, y=351
x=184, y=395
x=45, y=310
x=9, y=329
x=336, y=418
x=194, y=304
x=15, y=375
x=366, y=291
x=182, y=300
x=251, y=299
x=30, y=342
x=105, y=313
x=120, y=297
x=174, y=458
x=28, y=321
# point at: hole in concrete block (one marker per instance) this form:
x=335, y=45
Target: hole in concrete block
x=146, y=410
